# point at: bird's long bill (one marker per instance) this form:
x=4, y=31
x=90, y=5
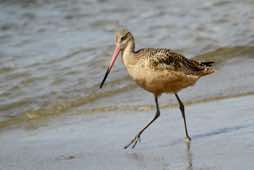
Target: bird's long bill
x=114, y=56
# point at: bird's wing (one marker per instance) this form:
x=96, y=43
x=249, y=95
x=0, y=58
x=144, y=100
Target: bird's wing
x=165, y=59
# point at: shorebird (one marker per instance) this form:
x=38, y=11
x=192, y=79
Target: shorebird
x=157, y=70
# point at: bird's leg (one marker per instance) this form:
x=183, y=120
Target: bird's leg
x=181, y=106
x=136, y=139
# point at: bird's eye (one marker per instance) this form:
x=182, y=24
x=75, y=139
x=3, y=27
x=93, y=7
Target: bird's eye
x=124, y=37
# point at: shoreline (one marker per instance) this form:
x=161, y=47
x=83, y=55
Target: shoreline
x=96, y=141
x=226, y=82
x=22, y=119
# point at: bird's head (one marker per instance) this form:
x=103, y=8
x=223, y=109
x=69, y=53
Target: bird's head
x=122, y=38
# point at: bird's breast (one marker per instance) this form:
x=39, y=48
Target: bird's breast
x=159, y=81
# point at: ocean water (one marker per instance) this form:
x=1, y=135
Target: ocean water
x=53, y=54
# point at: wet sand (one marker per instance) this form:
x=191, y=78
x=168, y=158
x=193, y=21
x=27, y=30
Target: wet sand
x=222, y=133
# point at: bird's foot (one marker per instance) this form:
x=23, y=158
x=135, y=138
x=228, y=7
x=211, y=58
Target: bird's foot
x=134, y=142
x=187, y=139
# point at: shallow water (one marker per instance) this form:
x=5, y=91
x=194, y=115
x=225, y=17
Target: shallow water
x=222, y=138
x=53, y=54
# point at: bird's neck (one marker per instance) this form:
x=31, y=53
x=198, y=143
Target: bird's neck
x=128, y=56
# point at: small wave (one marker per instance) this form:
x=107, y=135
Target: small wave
x=220, y=56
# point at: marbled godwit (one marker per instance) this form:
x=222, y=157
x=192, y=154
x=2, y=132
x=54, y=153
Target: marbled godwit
x=158, y=71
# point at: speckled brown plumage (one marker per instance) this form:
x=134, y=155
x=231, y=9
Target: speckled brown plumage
x=157, y=70
x=166, y=59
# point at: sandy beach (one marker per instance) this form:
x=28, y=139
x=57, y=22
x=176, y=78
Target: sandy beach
x=222, y=133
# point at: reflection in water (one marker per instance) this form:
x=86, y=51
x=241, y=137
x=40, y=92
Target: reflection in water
x=189, y=156
x=137, y=156
x=151, y=161
x=162, y=160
